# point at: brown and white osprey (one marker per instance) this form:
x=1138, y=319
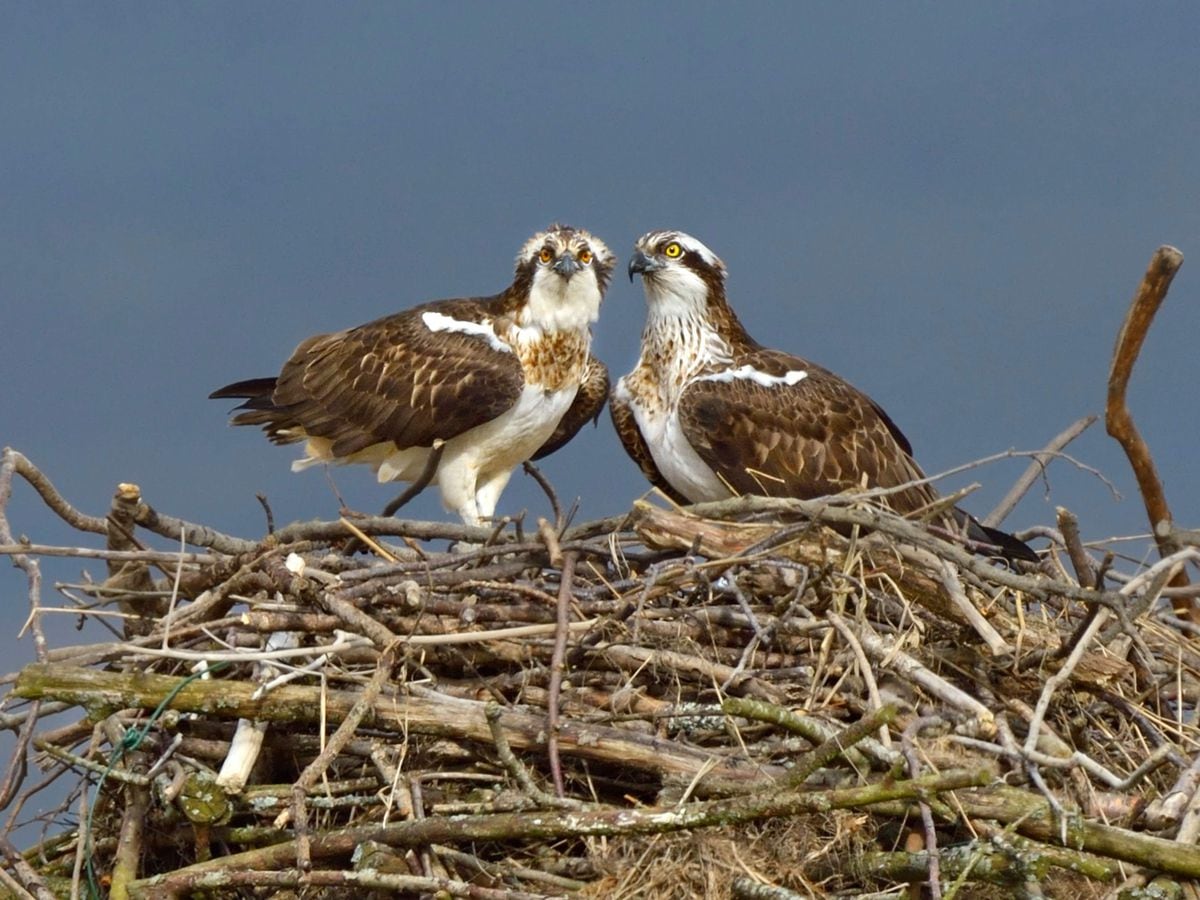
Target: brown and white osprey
x=499, y=380
x=709, y=413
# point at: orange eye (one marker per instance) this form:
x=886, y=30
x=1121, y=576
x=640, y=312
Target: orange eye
x=673, y=250
x=545, y=256
x=585, y=256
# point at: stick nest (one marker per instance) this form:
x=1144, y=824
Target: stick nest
x=751, y=699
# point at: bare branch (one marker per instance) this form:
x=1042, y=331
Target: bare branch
x=1118, y=420
x=1035, y=469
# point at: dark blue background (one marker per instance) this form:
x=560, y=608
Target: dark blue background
x=950, y=205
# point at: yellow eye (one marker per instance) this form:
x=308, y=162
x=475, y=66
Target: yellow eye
x=673, y=250
x=545, y=256
x=585, y=256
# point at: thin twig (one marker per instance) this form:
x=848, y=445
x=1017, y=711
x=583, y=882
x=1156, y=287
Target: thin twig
x=962, y=603
x=907, y=738
x=31, y=880
x=1035, y=469
x=494, y=712
x=431, y=466
x=1068, y=525
x=15, y=773
x=560, y=521
x=558, y=668
x=267, y=511
x=337, y=742
x=550, y=538
x=151, y=556
x=11, y=462
x=864, y=669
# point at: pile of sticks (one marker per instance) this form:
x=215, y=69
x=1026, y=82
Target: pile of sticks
x=757, y=699
x=845, y=700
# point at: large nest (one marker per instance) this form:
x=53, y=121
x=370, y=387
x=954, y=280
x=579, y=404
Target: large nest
x=753, y=699
x=760, y=699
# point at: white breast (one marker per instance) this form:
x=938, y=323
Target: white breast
x=513, y=437
x=476, y=465
x=675, y=458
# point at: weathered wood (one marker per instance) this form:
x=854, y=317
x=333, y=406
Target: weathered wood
x=1031, y=816
x=441, y=715
x=552, y=825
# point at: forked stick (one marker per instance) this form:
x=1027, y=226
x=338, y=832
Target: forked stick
x=1151, y=293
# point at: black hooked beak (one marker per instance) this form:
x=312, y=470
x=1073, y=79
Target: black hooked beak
x=567, y=265
x=641, y=264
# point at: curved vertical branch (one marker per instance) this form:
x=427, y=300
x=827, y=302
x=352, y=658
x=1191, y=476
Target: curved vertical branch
x=1150, y=295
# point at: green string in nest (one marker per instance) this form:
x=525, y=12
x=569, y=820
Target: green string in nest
x=132, y=740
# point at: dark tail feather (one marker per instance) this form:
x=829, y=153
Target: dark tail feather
x=260, y=409
x=255, y=391
x=1004, y=544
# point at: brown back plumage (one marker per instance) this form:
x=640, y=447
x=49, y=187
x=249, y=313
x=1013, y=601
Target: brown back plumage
x=760, y=421
x=388, y=380
x=819, y=436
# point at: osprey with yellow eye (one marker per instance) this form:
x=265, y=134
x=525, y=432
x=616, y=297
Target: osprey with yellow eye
x=709, y=413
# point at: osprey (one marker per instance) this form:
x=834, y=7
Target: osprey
x=474, y=386
x=708, y=412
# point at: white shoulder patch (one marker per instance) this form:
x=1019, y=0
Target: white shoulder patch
x=749, y=373
x=436, y=321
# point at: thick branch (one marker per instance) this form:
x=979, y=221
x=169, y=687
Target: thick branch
x=439, y=715
x=1032, y=817
x=544, y=826
x=1150, y=296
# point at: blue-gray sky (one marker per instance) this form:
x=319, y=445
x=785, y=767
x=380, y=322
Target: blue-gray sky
x=948, y=204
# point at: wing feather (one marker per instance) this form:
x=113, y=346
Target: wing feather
x=817, y=436
x=396, y=380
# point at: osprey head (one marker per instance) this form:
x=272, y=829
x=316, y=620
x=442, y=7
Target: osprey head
x=677, y=269
x=565, y=272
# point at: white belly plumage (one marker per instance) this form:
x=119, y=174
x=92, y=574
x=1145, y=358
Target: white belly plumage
x=679, y=464
x=475, y=465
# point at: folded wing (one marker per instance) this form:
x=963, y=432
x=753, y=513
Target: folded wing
x=395, y=379
x=776, y=432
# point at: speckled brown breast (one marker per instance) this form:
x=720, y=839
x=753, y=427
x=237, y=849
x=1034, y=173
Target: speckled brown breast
x=554, y=362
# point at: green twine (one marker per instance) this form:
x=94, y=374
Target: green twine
x=131, y=741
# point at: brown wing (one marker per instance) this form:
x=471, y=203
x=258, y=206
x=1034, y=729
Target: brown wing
x=816, y=437
x=635, y=445
x=389, y=380
x=588, y=403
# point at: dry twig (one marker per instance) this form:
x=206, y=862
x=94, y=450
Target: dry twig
x=710, y=673
x=1119, y=422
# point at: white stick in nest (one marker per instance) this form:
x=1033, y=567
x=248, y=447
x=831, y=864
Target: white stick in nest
x=248, y=738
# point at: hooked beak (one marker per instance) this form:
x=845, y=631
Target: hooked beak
x=567, y=265
x=641, y=264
